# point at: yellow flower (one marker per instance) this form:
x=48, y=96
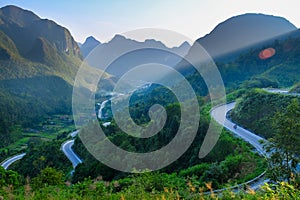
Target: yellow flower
x=193, y=189
x=122, y=197
x=208, y=185
x=250, y=191
x=166, y=190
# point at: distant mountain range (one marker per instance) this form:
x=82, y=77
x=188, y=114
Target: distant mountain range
x=149, y=51
x=39, y=60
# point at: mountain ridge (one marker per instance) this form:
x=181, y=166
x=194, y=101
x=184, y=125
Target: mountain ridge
x=89, y=44
x=243, y=30
x=18, y=23
x=244, y=68
x=126, y=53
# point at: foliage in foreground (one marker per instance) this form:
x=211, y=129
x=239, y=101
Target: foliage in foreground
x=49, y=185
x=283, y=148
x=275, y=117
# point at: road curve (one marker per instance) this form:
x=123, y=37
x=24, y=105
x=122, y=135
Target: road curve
x=5, y=164
x=67, y=149
x=217, y=114
x=246, y=135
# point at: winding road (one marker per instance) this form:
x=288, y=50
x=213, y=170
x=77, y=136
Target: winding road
x=5, y=164
x=66, y=147
x=253, y=139
x=217, y=114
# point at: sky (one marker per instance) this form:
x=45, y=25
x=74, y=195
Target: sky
x=192, y=18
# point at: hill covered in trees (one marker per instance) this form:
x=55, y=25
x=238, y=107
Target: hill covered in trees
x=39, y=60
x=255, y=110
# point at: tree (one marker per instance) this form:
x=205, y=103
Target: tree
x=283, y=148
x=48, y=177
x=9, y=177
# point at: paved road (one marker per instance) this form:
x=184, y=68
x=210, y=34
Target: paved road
x=246, y=135
x=218, y=114
x=11, y=160
x=67, y=149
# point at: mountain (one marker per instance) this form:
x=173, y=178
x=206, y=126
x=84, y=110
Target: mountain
x=89, y=44
x=18, y=24
x=182, y=49
x=244, y=30
x=273, y=63
x=39, y=60
x=27, y=41
x=236, y=45
x=238, y=34
x=127, y=53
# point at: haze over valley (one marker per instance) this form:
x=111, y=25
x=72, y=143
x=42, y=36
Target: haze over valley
x=95, y=120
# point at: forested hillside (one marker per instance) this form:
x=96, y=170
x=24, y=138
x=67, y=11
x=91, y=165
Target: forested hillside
x=249, y=68
x=39, y=60
x=295, y=88
x=227, y=147
x=256, y=109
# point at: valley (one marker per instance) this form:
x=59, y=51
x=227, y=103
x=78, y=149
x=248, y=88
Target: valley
x=57, y=93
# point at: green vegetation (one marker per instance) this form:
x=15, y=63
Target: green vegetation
x=38, y=63
x=248, y=70
x=276, y=117
x=30, y=101
x=50, y=184
x=283, y=147
x=40, y=155
x=221, y=167
x=255, y=110
x=230, y=162
x=9, y=177
x=295, y=88
x=55, y=127
x=39, y=60
x=48, y=177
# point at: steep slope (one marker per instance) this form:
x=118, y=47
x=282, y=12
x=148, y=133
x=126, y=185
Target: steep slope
x=29, y=41
x=8, y=49
x=19, y=24
x=295, y=88
x=281, y=67
x=246, y=42
x=89, y=44
x=237, y=35
x=39, y=60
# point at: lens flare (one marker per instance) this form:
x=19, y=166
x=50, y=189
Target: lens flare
x=267, y=53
